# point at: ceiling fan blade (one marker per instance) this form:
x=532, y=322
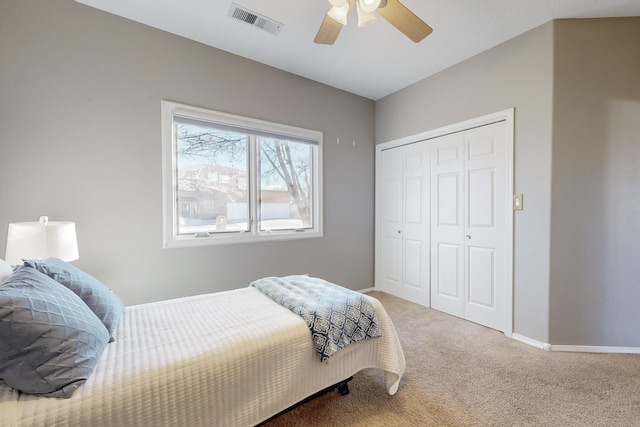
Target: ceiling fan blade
x=328, y=32
x=404, y=20
x=330, y=28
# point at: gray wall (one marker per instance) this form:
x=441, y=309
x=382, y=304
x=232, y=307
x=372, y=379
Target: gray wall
x=517, y=74
x=576, y=92
x=595, y=219
x=80, y=95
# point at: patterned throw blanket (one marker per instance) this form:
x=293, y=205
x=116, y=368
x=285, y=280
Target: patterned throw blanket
x=336, y=316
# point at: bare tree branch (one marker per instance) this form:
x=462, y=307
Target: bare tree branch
x=210, y=145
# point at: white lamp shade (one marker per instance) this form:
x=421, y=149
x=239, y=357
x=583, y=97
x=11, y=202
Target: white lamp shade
x=38, y=240
x=339, y=13
x=369, y=5
x=365, y=18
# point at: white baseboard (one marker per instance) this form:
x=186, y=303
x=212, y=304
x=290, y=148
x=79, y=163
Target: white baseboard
x=595, y=349
x=559, y=347
x=531, y=342
x=365, y=290
x=575, y=348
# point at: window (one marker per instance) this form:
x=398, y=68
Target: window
x=232, y=179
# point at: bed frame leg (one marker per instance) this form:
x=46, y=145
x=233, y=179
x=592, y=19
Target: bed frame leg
x=343, y=387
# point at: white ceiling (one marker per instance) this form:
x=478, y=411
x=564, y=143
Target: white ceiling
x=374, y=61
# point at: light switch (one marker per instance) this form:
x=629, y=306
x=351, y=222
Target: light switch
x=517, y=202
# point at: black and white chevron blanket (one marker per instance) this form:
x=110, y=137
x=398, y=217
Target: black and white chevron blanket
x=336, y=316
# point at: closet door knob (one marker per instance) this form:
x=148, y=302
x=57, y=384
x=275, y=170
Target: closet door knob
x=399, y=231
x=468, y=236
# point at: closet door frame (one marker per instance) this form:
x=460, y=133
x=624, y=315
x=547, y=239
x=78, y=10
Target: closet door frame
x=508, y=117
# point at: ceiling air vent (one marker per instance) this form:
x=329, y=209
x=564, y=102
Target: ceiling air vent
x=254, y=19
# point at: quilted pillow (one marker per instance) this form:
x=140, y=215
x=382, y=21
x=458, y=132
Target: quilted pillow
x=104, y=303
x=50, y=341
x=5, y=270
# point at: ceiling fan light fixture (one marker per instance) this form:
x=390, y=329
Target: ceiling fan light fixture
x=364, y=18
x=339, y=13
x=369, y=6
x=393, y=11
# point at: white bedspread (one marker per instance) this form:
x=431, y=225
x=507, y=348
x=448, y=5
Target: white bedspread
x=232, y=358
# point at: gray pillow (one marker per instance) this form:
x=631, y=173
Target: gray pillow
x=104, y=303
x=50, y=341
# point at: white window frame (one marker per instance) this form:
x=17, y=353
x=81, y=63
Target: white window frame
x=171, y=238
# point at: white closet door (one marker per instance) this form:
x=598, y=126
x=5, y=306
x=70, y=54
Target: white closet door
x=469, y=225
x=416, y=223
x=403, y=174
x=447, y=224
x=486, y=205
x=390, y=210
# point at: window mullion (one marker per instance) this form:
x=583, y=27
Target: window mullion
x=254, y=185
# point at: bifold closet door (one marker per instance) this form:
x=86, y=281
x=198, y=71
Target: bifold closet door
x=487, y=203
x=447, y=224
x=468, y=225
x=404, y=220
x=389, y=175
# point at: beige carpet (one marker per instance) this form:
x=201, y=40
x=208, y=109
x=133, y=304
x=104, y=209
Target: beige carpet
x=462, y=374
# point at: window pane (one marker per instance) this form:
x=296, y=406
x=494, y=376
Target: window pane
x=285, y=184
x=212, y=167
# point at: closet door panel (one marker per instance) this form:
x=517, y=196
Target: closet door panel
x=447, y=224
x=446, y=271
x=414, y=270
x=404, y=226
x=416, y=223
x=486, y=238
x=390, y=177
x=481, y=271
x=481, y=190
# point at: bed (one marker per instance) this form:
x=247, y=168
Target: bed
x=233, y=358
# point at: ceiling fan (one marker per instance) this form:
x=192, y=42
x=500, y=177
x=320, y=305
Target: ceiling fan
x=393, y=11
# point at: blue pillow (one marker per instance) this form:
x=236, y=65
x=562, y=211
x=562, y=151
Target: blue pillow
x=104, y=303
x=50, y=341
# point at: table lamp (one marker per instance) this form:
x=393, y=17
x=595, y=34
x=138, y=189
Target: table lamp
x=41, y=239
